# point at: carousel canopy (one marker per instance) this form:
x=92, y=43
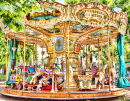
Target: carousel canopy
x=88, y=23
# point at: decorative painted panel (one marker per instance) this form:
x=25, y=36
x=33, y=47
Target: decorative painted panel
x=59, y=44
x=49, y=44
x=52, y=30
x=71, y=43
x=95, y=15
x=101, y=32
x=80, y=28
x=45, y=13
x=78, y=45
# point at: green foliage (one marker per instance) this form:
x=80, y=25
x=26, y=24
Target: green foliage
x=28, y=54
x=124, y=98
x=2, y=76
x=13, y=11
x=3, y=46
x=76, y=1
x=128, y=69
x=127, y=47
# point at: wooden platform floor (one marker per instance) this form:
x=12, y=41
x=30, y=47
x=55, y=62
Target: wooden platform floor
x=64, y=94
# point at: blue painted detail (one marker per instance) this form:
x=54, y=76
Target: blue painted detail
x=59, y=44
x=49, y=9
x=9, y=82
x=52, y=30
x=31, y=70
x=88, y=28
x=46, y=17
x=81, y=81
x=78, y=27
x=88, y=81
x=95, y=34
x=101, y=32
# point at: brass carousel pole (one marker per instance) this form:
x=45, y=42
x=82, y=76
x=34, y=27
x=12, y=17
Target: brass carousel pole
x=36, y=52
x=102, y=62
x=112, y=53
x=24, y=62
x=98, y=56
x=53, y=79
x=86, y=57
x=113, y=61
x=42, y=55
x=101, y=54
x=109, y=57
x=68, y=57
x=68, y=46
x=89, y=57
x=98, y=63
x=14, y=47
x=7, y=60
x=33, y=55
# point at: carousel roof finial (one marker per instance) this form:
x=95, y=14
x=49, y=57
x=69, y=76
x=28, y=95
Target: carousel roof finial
x=96, y=1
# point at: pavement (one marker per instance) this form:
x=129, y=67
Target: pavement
x=128, y=91
x=6, y=98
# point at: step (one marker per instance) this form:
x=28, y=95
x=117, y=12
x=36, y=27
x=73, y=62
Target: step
x=2, y=79
x=2, y=83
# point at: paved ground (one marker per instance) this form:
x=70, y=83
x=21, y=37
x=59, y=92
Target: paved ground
x=6, y=98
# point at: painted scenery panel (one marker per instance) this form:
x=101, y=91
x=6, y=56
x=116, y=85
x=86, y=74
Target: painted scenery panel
x=59, y=44
x=71, y=43
x=44, y=13
x=79, y=44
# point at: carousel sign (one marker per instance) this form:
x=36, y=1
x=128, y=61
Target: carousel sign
x=95, y=15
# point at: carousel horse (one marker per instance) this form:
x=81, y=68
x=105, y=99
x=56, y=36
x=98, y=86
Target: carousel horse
x=49, y=63
x=43, y=82
x=39, y=86
x=100, y=80
x=113, y=75
x=38, y=73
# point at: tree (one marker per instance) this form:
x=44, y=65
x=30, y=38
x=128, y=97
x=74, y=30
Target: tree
x=28, y=54
x=3, y=47
x=76, y=1
x=12, y=12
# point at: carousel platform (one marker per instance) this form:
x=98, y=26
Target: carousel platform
x=64, y=95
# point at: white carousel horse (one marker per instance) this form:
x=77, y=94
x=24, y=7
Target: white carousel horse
x=40, y=85
x=42, y=82
x=34, y=78
x=113, y=75
x=101, y=79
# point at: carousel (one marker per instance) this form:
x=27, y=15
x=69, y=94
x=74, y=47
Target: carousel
x=64, y=31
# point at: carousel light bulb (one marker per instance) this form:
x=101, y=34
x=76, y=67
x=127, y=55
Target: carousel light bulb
x=19, y=49
x=54, y=39
x=42, y=52
x=112, y=40
x=14, y=48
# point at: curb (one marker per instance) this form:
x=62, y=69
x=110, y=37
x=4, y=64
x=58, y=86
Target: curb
x=2, y=79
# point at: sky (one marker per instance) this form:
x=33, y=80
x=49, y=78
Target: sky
x=60, y=1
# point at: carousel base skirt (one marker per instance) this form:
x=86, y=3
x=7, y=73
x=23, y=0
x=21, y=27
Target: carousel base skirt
x=64, y=95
